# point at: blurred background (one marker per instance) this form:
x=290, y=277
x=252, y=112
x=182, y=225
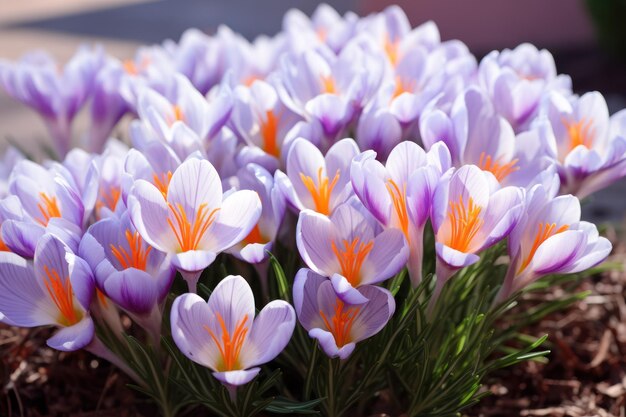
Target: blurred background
x=586, y=37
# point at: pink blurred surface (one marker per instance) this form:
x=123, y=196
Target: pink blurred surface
x=494, y=24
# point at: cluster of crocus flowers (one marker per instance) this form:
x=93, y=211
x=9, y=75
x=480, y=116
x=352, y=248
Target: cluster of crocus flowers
x=345, y=139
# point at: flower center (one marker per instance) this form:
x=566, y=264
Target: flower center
x=3, y=246
x=136, y=256
x=230, y=345
x=102, y=298
x=351, y=258
x=60, y=292
x=500, y=171
x=188, y=234
x=162, y=182
x=403, y=86
x=109, y=196
x=328, y=85
x=544, y=231
x=322, y=191
x=48, y=207
x=391, y=49
x=398, y=198
x=340, y=324
x=465, y=222
x=269, y=129
x=255, y=236
x=178, y=113
x=580, y=132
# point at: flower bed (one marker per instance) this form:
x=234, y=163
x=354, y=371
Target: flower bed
x=335, y=218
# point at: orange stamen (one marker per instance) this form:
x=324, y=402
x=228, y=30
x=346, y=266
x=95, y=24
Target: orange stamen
x=500, y=171
x=162, y=182
x=391, y=49
x=351, y=258
x=130, y=67
x=3, y=246
x=403, y=87
x=102, y=298
x=398, y=197
x=178, y=113
x=109, y=196
x=322, y=191
x=254, y=236
x=580, y=133
x=465, y=222
x=341, y=324
x=230, y=346
x=328, y=85
x=189, y=234
x=49, y=208
x=544, y=231
x=248, y=81
x=137, y=258
x=269, y=130
x=60, y=291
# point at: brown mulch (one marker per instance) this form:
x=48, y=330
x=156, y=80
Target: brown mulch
x=586, y=371
x=585, y=374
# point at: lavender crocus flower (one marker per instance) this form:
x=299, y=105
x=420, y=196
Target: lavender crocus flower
x=193, y=221
x=262, y=121
x=41, y=200
x=339, y=326
x=128, y=271
x=315, y=181
x=470, y=213
x=588, y=146
x=550, y=238
x=223, y=335
x=108, y=105
x=350, y=248
x=399, y=194
x=56, y=95
x=56, y=290
x=154, y=162
x=254, y=247
x=477, y=135
x=325, y=26
x=517, y=80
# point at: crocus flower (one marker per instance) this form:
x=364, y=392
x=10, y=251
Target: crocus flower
x=262, y=121
x=193, y=221
x=550, y=238
x=223, y=334
x=399, y=194
x=154, y=162
x=469, y=214
x=41, y=200
x=477, y=135
x=108, y=105
x=131, y=273
x=186, y=121
x=337, y=325
x=325, y=26
x=350, y=248
x=588, y=146
x=254, y=247
x=518, y=79
x=315, y=181
x=54, y=290
x=57, y=95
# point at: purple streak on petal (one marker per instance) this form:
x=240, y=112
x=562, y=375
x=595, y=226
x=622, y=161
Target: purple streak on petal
x=271, y=331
